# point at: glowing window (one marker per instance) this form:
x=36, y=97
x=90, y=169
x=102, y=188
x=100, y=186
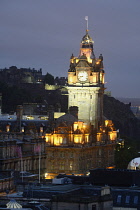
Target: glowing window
x=127, y=199
x=119, y=198
x=101, y=77
x=71, y=165
x=41, y=129
x=136, y=199
x=22, y=129
x=47, y=138
x=58, y=140
x=77, y=139
x=86, y=138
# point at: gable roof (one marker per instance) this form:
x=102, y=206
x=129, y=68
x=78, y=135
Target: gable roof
x=83, y=63
x=66, y=119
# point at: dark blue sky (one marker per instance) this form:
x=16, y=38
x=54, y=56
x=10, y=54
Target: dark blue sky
x=44, y=34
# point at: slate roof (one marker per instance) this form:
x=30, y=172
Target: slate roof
x=67, y=118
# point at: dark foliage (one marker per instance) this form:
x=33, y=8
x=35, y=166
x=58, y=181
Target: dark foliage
x=13, y=96
x=124, y=155
x=49, y=79
x=129, y=130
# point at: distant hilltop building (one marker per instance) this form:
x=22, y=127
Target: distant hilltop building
x=13, y=75
x=61, y=81
x=16, y=76
x=108, y=93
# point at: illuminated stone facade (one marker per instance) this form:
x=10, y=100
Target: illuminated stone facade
x=75, y=147
x=82, y=139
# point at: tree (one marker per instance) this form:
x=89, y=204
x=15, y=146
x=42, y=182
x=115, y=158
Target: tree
x=13, y=96
x=123, y=155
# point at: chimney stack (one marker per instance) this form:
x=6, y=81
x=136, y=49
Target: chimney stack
x=73, y=110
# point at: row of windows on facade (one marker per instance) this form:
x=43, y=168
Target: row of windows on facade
x=87, y=155
x=79, y=138
x=128, y=198
x=62, y=165
x=26, y=165
x=11, y=151
x=60, y=140
x=8, y=129
x=6, y=185
x=82, y=95
x=61, y=154
x=84, y=165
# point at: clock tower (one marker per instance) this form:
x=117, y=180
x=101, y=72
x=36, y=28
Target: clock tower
x=86, y=83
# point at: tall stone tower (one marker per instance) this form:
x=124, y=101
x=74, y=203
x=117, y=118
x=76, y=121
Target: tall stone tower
x=79, y=147
x=86, y=83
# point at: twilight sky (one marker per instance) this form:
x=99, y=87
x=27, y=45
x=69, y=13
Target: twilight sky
x=44, y=34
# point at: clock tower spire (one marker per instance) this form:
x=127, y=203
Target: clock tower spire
x=86, y=83
x=86, y=47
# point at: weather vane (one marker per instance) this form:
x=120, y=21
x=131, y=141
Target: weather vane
x=86, y=18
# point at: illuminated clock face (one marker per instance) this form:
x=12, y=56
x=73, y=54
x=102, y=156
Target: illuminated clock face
x=82, y=76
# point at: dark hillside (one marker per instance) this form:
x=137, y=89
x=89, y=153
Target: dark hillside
x=122, y=117
x=118, y=112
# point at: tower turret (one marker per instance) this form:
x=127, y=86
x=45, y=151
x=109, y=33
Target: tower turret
x=86, y=47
